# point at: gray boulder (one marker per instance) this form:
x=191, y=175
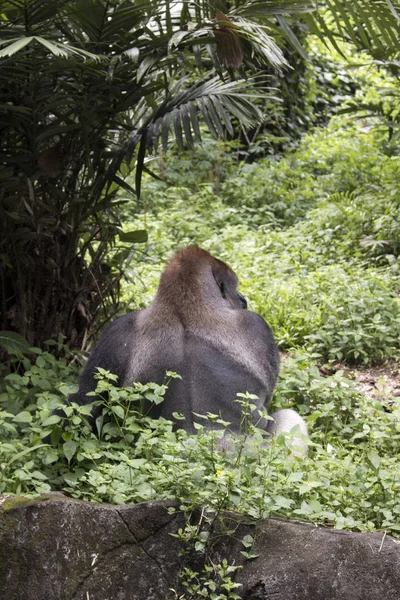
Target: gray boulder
x=63, y=549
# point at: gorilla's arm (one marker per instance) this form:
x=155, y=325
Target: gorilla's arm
x=267, y=351
x=286, y=418
x=113, y=352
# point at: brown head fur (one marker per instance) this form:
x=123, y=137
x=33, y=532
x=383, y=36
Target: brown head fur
x=189, y=282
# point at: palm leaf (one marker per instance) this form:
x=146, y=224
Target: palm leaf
x=372, y=26
x=393, y=10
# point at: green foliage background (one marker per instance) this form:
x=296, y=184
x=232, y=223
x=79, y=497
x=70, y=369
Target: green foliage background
x=314, y=237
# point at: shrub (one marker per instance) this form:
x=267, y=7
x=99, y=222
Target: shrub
x=348, y=479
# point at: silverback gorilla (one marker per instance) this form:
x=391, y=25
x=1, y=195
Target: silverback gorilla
x=198, y=326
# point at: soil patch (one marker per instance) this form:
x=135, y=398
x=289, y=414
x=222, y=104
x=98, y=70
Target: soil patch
x=377, y=382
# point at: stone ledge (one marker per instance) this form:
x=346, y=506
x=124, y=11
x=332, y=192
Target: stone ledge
x=63, y=549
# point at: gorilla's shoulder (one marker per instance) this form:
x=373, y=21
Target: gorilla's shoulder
x=256, y=321
x=123, y=323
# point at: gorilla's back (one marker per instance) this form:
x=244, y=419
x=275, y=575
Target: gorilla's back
x=209, y=381
x=213, y=369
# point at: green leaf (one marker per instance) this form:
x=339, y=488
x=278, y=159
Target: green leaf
x=223, y=113
x=165, y=124
x=186, y=125
x=194, y=121
x=51, y=420
x=69, y=449
x=283, y=502
x=247, y=541
x=374, y=459
x=134, y=237
x=25, y=452
x=291, y=36
x=15, y=47
x=215, y=117
x=51, y=457
x=145, y=66
x=14, y=343
x=53, y=48
x=206, y=117
x=119, y=181
x=392, y=9
x=140, y=162
x=23, y=417
x=39, y=475
x=119, y=411
x=249, y=555
x=178, y=128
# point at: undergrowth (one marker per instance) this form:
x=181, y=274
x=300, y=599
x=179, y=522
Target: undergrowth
x=314, y=237
x=350, y=478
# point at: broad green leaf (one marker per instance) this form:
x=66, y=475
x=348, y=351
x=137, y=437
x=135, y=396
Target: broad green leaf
x=247, y=541
x=39, y=475
x=52, y=420
x=374, y=459
x=69, y=449
x=134, y=237
x=23, y=417
x=14, y=343
x=283, y=502
x=119, y=411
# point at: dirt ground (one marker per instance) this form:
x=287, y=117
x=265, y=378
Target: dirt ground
x=378, y=381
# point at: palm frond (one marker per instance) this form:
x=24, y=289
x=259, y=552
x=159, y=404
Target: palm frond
x=372, y=26
x=216, y=101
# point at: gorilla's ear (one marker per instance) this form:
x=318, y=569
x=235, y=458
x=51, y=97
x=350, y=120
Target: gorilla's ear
x=219, y=274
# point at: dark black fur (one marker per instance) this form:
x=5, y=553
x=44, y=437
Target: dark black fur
x=210, y=379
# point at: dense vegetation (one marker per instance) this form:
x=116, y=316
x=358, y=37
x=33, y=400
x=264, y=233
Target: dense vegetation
x=315, y=239
x=87, y=90
x=312, y=228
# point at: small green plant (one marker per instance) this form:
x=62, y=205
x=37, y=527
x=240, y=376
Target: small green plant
x=214, y=582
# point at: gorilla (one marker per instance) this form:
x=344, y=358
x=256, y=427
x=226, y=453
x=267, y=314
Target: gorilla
x=198, y=326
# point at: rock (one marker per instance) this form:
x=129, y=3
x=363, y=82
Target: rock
x=67, y=549
x=63, y=549
x=299, y=561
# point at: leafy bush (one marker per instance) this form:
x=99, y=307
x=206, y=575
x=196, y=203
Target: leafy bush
x=314, y=239
x=334, y=313
x=350, y=477
x=274, y=192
